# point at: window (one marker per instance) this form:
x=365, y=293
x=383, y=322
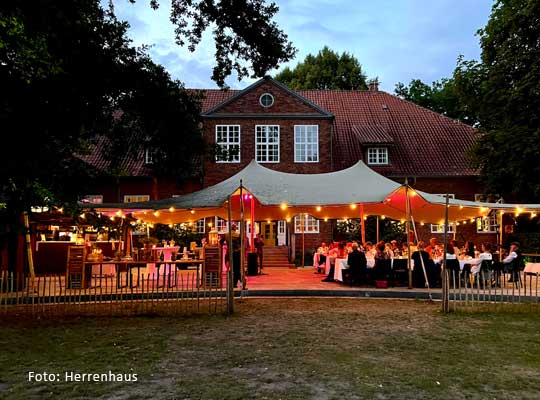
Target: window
x=377, y=156
x=93, y=198
x=228, y=138
x=266, y=100
x=221, y=225
x=306, y=224
x=200, y=226
x=486, y=225
x=148, y=156
x=135, y=198
x=440, y=228
x=306, y=143
x=267, y=143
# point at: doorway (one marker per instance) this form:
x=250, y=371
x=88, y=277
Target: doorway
x=269, y=233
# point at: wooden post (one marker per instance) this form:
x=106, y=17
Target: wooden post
x=377, y=228
x=363, y=224
x=29, y=248
x=242, y=238
x=408, y=228
x=230, y=290
x=445, y=291
x=252, y=230
x=304, y=220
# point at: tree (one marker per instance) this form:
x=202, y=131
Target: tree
x=70, y=77
x=67, y=67
x=326, y=70
x=507, y=100
x=442, y=97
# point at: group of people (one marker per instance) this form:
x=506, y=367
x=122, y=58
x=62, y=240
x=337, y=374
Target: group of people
x=426, y=257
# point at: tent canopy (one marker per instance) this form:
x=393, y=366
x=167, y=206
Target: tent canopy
x=348, y=193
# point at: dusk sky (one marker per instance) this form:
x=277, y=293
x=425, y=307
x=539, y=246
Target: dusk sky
x=394, y=40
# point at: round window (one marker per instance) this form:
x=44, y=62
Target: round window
x=266, y=100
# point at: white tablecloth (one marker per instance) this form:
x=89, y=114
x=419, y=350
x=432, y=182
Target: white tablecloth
x=532, y=268
x=341, y=264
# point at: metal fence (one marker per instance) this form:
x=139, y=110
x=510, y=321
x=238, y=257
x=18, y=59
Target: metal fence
x=172, y=293
x=498, y=286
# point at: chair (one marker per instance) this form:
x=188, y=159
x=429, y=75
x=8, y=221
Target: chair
x=382, y=270
x=486, y=272
x=76, y=276
x=400, y=272
x=514, y=268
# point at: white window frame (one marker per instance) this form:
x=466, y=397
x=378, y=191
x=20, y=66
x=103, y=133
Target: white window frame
x=267, y=144
x=311, y=224
x=221, y=225
x=136, y=198
x=486, y=224
x=297, y=142
x=269, y=105
x=228, y=144
x=378, y=151
x=148, y=156
x=487, y=198
x=93, y=199
x=440, y=228
x=200, y=226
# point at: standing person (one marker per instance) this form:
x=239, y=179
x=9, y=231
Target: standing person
x=259, y=243
x=236, y=249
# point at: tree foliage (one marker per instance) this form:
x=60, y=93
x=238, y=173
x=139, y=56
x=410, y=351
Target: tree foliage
x=500, y=95
x=507, y=100
x=70, y=77
x=326, y=70
x=442, y=97
x=244, y=33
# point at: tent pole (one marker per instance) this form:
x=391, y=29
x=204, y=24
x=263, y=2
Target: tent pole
x=252, y=223
x=501, y=214
x=230, y=290
x=377, y=229
x=445, y=299
x=242, y=238
x=363, y=224
x=304, y=220
x=407, y=228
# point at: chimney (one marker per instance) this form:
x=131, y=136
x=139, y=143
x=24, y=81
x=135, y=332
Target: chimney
x=373, y=85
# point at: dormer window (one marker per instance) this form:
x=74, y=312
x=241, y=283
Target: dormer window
x=266, y=100
x=377, y=156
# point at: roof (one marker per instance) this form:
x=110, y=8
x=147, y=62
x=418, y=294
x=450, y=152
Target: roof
x=425, y=143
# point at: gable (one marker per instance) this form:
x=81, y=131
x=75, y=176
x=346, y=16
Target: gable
x=285, y=103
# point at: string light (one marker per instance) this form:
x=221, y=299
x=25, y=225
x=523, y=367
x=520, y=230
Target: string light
x=353, y=206
x=283, y=206
x=383, y=217
x=156, y=213
x=319, y=208
x=192, y=211
x=171, y=209
x=326, y=220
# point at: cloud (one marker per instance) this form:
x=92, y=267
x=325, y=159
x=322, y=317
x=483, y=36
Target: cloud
x=396, y=40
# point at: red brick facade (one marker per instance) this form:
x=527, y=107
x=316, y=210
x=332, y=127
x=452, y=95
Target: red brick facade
x=349, y=123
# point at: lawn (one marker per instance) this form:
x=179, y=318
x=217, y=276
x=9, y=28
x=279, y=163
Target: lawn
x=329, y=348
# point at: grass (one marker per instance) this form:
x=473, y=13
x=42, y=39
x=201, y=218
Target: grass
x=328, y=348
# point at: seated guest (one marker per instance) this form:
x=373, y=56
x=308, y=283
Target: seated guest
x=420, y=258
x=434, y=249
x=485, y=255
x=322, y=251
x=380, y=253
x=336, y=252
x=395, y=248
x=514, y=256
x=358, y=264
x=454, y=243
x=468, y=249
x=369, y=250
x=388, y=250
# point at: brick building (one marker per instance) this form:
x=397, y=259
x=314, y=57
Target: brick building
x=317, y=131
